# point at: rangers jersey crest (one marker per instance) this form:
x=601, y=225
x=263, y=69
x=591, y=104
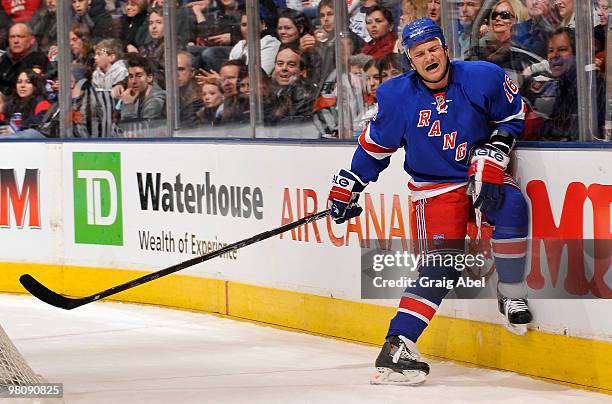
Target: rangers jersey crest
x=441, y=103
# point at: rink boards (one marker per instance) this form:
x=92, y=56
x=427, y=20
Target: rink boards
x=84, y=217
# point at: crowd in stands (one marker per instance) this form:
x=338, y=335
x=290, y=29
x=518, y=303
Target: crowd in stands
x=118, y=61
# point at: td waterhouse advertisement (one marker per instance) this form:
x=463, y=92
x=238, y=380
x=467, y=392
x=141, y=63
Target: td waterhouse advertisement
x=147, y=206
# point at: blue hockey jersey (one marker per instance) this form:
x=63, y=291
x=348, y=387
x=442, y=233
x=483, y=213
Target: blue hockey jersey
x=438, y=130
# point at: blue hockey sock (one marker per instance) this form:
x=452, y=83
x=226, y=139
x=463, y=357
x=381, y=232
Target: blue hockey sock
x=509, y=241
x=420, y=302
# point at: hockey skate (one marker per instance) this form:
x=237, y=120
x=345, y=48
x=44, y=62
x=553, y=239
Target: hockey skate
x=516, y=314
x=398, y=363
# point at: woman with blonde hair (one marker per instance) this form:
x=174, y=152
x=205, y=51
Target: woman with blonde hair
x=565, y=8
x=498, y=46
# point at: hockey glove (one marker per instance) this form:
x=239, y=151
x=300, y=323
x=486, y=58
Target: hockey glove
x=343, y=196
x=486, y=177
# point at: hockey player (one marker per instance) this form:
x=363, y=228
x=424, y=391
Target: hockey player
x=457, y=122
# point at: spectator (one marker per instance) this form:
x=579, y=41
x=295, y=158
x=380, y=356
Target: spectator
x=235, y=105
x=326, y=49
x=380, y=26
x=111, y=70
x=325, y=45
x=565, y=8
x=434, y=11
x=190, y=97
x=357, y=18
x=5, y=23
x=357, y=63
x=390, y=66
x=44, y=27
x=555, y=93
x=409, y=13
x=184, y=20
x=497, y=45
x=218, y=31
x=110, y=5
x=134, y=24
x=292, y=27
x=81, y=46
x=295, y=95
x=543, y=89
x=29, y=103
x=22, y=53
x=373, y=80
x=154, y=48
x=359, y=85
x=603, y=11
x=212, y=99
x=327, y=17
x=21, y=10
x=468, y=9
x=3, y=101
x=264, y=90
x=229, y=75
x=93, y=14
x=600, y=31
x=325, y=109
x=269, y=9
x=533, y=33
x=92, y=110
x=143, y=99
x=268, y=45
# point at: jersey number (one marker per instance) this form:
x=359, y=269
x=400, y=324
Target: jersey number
x=510, y=88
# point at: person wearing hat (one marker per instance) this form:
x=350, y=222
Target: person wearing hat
x=457, y=123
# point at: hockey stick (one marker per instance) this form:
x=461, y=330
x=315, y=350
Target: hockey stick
x=45, y=294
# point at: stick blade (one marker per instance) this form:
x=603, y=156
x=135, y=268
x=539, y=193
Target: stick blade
x=45, y=294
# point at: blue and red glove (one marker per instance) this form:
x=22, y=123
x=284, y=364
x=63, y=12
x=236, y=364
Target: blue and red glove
x=343, y=196
x=486, y=177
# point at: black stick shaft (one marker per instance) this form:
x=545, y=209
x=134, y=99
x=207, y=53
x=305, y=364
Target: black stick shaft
x=45, y=294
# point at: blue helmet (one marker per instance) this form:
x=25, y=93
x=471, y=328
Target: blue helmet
x=419, y=31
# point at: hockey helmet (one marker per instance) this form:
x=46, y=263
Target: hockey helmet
x=419, y=31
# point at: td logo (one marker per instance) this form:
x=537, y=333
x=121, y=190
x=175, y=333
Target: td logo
x=97, y=198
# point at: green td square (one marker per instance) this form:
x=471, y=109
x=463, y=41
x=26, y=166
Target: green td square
x=97, y=198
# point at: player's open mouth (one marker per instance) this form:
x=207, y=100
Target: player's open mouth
x=432, y=67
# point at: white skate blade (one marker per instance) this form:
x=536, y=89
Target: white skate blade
x=405, y=378
x=518, y=329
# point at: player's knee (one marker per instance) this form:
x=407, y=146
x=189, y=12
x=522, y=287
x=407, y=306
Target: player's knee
x=436, y=278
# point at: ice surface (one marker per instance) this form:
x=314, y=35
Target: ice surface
x=121, y=353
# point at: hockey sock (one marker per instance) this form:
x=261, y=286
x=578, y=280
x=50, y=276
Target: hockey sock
x=420, y=302
x=509, y=243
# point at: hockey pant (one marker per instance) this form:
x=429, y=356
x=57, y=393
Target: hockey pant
x=438, y=225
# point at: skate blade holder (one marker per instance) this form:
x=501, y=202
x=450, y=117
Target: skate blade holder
x=386, y=376
x=517, y=329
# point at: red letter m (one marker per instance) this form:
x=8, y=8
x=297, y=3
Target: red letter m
x=569, y=233
x=26, y=199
